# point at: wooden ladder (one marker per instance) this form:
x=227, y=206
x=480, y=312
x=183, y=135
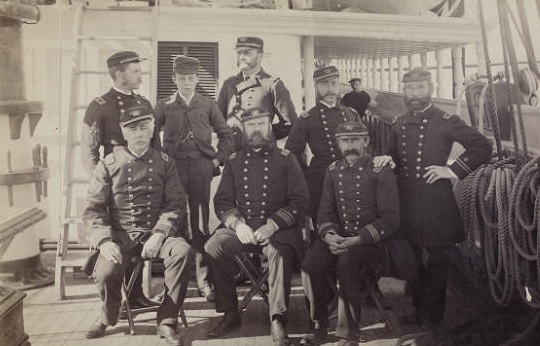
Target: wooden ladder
x=72, y=179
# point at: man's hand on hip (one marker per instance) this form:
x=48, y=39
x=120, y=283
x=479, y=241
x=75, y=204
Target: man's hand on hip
x=434, y=173
x=152, y=245
x=111, y=252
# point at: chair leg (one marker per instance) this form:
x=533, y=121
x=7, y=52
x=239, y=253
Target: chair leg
x=183, y=317
x=125, y=306
x=256, y=278
x=377, y=302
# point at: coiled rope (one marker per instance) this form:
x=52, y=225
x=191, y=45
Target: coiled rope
x=500, y=205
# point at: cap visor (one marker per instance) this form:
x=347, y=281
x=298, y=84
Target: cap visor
x=136, y=120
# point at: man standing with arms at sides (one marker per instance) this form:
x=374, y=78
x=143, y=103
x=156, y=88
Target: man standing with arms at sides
x=357, y=99
x=316, y=128
x=260, y=201
x=419, y=146
x=359, y=210
x=101, y=126
x=188, y=120
x=102, y=115
x=135, y=194
x=254, y=88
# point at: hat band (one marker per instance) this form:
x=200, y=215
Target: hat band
x=331, y=75
x=353, y=134
x=137, y=119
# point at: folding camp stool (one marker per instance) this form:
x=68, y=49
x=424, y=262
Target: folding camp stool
x=383, y=305
x=126, y=292
x=257, y=278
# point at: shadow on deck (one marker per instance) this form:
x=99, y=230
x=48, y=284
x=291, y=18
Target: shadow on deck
x=51, y=322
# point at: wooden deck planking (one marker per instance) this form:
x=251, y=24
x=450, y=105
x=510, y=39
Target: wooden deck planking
x=49, y=322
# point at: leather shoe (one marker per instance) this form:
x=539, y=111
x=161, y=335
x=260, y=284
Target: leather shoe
x=279, y=335
x=170, y=335
x=318, y=335
x=97, y=330
x=346, y=342
x=229, y=322
x=207, y=292
x=142, y=302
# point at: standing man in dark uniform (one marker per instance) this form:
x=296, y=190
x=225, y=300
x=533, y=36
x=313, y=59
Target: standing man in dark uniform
x=316, y=128
x=357, y=99
x=260, y=200
x=359, y=210
x=102, y=115
x=135, y=194
x=188, y=120
x=419, y=147
x=101, y=126
x=254, y=88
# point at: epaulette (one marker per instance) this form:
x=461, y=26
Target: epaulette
x=100, y=101
x=165, y=157
x=232, y=156
x=305, y=114
x=332, y=166
x=143, y=97
x=285, y=152
x=171, y=99
x=109, y=159
x=446, y=116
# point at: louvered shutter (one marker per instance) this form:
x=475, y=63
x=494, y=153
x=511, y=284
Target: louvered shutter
x=206, y=52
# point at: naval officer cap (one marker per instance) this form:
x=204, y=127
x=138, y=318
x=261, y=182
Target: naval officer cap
x=417, y=74
x=186, y=65
x=324, y=73
x=249, y=42
x=355, y=79
x=124, y=57
x=351, y=129
x=254, y=113
x=135, y=114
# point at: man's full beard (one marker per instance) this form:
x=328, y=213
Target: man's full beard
x=257, y=141
x=417, y=103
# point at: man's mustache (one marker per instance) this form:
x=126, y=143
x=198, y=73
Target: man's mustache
x=351, y=152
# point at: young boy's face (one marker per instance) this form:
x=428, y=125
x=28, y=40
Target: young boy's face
x=186, y=83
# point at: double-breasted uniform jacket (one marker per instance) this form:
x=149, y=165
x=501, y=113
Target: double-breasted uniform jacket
x=261, y=90
x=317, y=128
x=129, y=195
x=187, y=130
x=265, y=184
x=429, y=212
x=363, y=200
x=102, y=119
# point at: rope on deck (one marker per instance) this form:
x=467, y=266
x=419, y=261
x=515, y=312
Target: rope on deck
x=500, y=205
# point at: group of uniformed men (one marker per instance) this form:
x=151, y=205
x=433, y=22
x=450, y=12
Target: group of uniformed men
x=364, y=226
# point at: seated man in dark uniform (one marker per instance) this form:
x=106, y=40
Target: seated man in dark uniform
x=135, y=193
x=260, y=200
x=359, y=209
x=357, y=98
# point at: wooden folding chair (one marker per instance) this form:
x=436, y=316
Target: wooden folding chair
x=126, y=292
x=257, y=278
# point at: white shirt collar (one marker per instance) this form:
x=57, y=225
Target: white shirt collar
x=137, y=155
x=188, y=99
x=122, y=91
x=329, y=105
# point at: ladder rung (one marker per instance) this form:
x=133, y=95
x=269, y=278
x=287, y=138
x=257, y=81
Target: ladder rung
x=78, y=181
x=115, y=38
x=75, y=262
x=73, y=221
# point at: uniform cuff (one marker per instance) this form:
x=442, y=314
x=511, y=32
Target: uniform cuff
x=460, y=168
x=326, y=227
x=369, y=234
x=283, y=218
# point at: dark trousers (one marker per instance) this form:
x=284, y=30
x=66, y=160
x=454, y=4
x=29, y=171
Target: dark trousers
x=221, y=249
x=357, y=272
x=429, y=288
x=315, y=182
x=177, y=258
x=196, y=176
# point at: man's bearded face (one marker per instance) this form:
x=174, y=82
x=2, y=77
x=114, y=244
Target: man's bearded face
x=258, y=132
x=417, y=94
